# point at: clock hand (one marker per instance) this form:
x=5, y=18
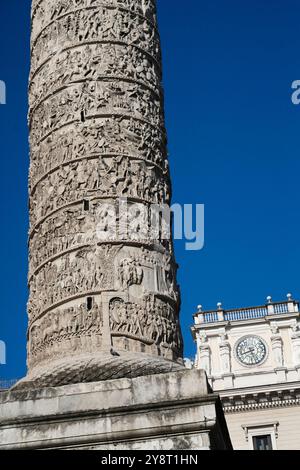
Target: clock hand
x=246, y=352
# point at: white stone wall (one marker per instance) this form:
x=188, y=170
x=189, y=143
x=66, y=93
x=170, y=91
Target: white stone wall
x=288, y=429
x=281, y=335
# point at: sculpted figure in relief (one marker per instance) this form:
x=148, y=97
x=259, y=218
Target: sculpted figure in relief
x=97, y=134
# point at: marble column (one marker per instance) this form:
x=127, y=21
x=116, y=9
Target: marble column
x=104, y=302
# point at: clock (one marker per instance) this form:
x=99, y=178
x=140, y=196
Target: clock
x=251, y=350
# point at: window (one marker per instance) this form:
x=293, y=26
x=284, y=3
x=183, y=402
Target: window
x=86, y=205
x=262, y=442
x=262, y=436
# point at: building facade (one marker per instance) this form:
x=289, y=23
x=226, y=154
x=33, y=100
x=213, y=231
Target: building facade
x=252, y=359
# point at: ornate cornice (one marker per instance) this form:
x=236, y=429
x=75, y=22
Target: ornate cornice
x=259, y=400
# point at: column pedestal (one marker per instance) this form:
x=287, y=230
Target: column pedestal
x=159, y=412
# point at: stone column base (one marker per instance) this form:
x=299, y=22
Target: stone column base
x=169, y=411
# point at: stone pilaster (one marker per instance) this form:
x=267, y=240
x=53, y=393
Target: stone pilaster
x=277, y=347
x=203, y=354
x=225, y=354
x=295, y=339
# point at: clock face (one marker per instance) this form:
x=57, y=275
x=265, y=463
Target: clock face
x=251, y=350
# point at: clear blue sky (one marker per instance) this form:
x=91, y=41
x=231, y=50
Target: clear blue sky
x=233, y=142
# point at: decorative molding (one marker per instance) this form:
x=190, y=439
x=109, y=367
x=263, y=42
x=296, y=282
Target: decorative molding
x=273, y=426
x=261, y=400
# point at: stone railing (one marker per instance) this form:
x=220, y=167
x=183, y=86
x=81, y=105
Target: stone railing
x=245, y=314
x=211, y=317
x=271, y=308
x=281, y=308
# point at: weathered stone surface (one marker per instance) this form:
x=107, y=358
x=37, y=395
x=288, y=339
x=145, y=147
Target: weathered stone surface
x=105, y=368
x=97, y=134
x=163, y=411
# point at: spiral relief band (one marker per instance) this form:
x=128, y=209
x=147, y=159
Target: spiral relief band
x=98, y=308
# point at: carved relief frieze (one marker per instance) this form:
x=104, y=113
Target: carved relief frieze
x=152, y=321
x=91, y=99
x=80, y=273
x=68, y=229
x=93, y=63
x=154, y=272
x=66, y=329
x=44, y=12
x=107, y=136
x=100, y=24
x=113, y=177
x=98, y=279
